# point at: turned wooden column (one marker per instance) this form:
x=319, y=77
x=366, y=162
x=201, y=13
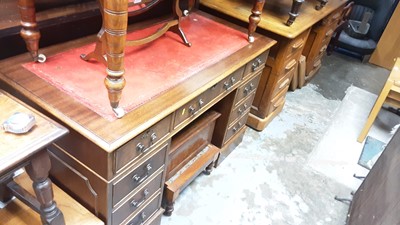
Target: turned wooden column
x=38, y=170
x=29, y=31
x=254, y=18
x=115, y=25
x=294, y=12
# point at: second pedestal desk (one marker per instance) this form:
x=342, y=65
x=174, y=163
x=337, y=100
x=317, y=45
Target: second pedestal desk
x=308, y=35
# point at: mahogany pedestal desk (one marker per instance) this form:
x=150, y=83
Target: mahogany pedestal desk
x=29, y=150
x=309, y=36
x=111, y=167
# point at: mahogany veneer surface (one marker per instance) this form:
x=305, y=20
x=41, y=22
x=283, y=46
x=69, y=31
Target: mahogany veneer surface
x=110, y=135
x=275, y=14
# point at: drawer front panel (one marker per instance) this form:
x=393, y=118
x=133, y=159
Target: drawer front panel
x=138, y=176
x=143, y=143
x=235, y=127
x=156, y=218
x=196, y=105
x=296, y=46
x=333, y=18
x=278, y=100
x=147, y=212
x=284, y=81
x=256, y=64
x=247, y=89
x=138, y=199
x=241, y=109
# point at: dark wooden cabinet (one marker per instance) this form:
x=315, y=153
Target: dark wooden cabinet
x=377, y=199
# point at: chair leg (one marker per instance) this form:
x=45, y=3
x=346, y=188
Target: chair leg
x=375, y=110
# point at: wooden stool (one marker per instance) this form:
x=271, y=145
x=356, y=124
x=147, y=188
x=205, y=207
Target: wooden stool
x=18, y=213
x=390, y=95
x=29, y=150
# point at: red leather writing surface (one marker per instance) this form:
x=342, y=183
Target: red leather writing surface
x=151, y=69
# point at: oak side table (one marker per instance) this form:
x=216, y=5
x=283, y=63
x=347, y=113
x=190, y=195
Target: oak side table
x=29, y=150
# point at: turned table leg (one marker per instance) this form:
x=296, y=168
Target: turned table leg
x=29, y=31
x=254, y=18
x=38, y=170
x=115, y=25
x=321, y=5
x=294, y=12
x=209, y=168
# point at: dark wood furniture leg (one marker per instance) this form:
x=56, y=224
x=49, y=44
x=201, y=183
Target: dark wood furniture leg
x=321, y=5
x=254, y=18
x=177, y=28
x=5, y=194
x=115, y=25
x=29, y=31
x=38, y=170
x=294, y=12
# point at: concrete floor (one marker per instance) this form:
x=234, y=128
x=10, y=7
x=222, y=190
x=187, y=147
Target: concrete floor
x=340, y=72
x=267, y=180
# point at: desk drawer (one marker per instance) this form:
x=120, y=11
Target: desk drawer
x=296, y=46
x=247, y=89
x=139, y=198
x=141, y=144
x=256, y=64
x=147, y=212
x=232, y=130
x=284, y=81
x=138, y=176
x=278, y=100
x=196, y=105
x=241, y=109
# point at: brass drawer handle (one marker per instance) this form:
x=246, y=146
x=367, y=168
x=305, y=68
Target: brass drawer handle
x=192, y=110
x=257, y=63
x=322, y=50
x=137, y=204
x=234, y=129
x=240, y=111
x=246, y=90
x=298, y=44
x=153, y=137
x=142, y=217
x=329, y=33
x=140, y=147
x=227, y=86
x=317, y=63
x=201, y=103
x=138, y=179
x=284, y=83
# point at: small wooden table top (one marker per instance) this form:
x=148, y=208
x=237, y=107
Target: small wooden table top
x=15, y=148
x=274, y=15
